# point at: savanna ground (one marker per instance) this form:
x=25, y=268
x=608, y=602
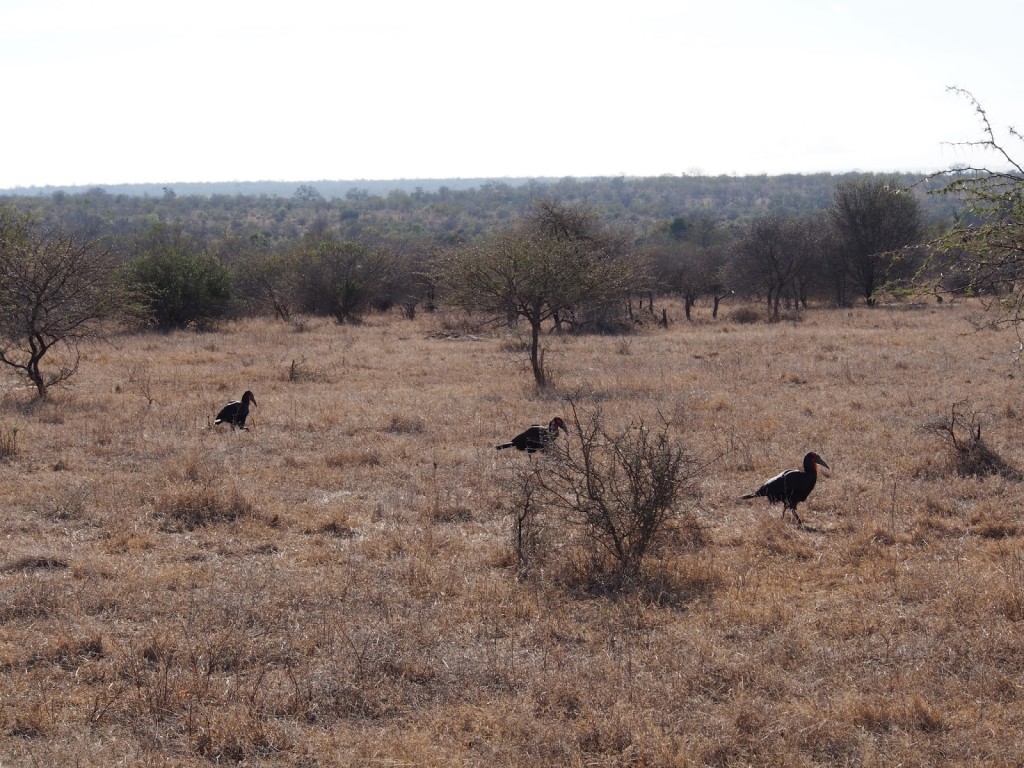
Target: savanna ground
x=335, y=586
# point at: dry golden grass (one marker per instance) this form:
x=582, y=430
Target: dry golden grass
x=333, y=587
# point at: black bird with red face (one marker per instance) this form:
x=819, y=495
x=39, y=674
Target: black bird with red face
x=237, y=411
x=536, y=438
x=792, y=486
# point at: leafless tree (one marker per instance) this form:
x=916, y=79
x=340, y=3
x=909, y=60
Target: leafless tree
x=768, y=255
x=873, y=219
x=56, y=291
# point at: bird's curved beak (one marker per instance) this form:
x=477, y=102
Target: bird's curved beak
x=822, y=462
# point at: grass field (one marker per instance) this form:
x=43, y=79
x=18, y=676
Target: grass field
x=334, y=587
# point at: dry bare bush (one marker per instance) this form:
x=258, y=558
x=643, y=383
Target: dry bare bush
x=301, y=370
x=744, y=315
x=961, y=429
x=140, y=379
x=609, y=498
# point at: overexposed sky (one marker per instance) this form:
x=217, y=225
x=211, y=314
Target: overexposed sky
x=119, y=91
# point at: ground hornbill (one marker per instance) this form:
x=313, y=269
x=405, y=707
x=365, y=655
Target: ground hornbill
x=237, y=411
x=536, y=438
x=792, y=486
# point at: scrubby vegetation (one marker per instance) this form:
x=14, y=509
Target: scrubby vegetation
x=518, y=253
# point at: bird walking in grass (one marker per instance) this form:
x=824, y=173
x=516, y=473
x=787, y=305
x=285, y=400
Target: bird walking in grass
x=792, y=486
x=237, y=411
x=536, y=438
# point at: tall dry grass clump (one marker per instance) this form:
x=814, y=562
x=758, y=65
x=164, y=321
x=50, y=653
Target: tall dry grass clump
x=8, y=442
x=193, y=508
x=336, y=586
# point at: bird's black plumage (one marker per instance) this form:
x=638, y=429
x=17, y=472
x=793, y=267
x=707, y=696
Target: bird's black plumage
x=536, y=438
x=237, y=411
x=792, y=486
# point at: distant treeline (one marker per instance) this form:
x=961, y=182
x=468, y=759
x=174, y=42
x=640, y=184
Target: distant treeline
x=447, y=209
x=329, y=189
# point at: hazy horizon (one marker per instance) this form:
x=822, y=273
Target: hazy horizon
x=288, y=187
x=118, y=93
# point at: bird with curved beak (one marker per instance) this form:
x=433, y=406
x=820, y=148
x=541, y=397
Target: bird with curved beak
x=537, y=437
x=237, y=411
x=791, y=486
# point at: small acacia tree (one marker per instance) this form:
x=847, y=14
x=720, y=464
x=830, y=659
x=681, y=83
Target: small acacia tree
x=56, y=291
x=556, y=261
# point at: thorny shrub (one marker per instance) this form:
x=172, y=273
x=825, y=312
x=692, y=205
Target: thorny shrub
x=971, y=456
x=605, y=500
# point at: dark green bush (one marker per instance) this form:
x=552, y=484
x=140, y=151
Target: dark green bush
x=340, y=278
x=179, y=284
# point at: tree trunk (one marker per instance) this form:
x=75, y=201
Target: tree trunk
x=536, y=356
x=37, y=378
x=38, y=348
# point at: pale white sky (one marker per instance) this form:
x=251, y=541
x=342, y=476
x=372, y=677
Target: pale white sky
x=118, y=91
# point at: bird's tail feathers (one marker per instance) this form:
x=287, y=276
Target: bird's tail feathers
x=748, y=495
x=504, y=445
